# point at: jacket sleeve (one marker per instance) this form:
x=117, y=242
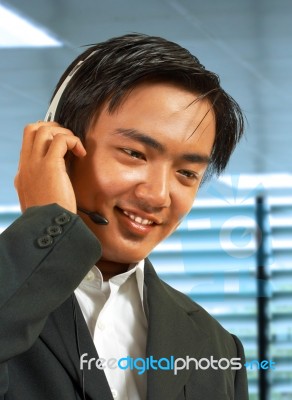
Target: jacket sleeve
x=44, y=255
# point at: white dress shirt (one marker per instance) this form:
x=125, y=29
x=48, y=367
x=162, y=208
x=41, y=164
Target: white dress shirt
x=117, y=323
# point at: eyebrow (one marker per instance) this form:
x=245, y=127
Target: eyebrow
x=154, y=144
x=141, y=138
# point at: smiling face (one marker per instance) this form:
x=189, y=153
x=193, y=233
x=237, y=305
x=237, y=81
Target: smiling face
x=143, y=167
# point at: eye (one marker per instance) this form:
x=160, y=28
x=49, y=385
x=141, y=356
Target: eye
x=134, y=154
x=191, y=175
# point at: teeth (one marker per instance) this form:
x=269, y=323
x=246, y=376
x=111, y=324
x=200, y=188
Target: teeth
x=138, y=219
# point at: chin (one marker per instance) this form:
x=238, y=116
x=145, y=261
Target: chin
x=125, y=251
x=115, y=256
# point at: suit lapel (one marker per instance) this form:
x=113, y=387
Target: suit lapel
x=171, y=332
x=67, y=339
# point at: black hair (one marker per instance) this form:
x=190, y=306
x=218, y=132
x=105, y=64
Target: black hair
x=118, y=65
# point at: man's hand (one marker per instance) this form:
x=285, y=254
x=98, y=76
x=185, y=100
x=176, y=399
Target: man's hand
x=42, y=176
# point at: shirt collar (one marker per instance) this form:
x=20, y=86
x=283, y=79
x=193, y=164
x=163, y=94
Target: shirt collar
x=94, y=277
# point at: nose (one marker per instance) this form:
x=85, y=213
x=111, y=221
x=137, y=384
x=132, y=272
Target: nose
x=154, y=192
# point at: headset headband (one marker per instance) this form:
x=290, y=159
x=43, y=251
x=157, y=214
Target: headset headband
x=50, y=115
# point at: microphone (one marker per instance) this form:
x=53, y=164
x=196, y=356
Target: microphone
x=94, y=216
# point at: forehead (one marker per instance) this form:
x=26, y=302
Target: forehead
x=163, y=110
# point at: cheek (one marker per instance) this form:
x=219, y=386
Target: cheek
x=115, y=178
x=182, y=202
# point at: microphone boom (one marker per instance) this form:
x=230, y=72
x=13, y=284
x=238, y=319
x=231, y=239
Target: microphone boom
x=94, y=216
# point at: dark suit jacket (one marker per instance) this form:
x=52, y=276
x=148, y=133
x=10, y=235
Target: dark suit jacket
x=43, y=332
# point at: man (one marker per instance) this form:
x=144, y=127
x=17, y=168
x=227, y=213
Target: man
x=138, y=124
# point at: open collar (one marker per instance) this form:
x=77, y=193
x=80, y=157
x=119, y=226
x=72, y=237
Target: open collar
x=171, y=332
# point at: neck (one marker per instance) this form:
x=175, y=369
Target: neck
x=111, y=268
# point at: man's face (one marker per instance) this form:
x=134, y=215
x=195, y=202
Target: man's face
x=143, y=167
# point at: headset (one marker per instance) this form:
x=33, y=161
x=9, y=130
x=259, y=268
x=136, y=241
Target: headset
x=51, y=113
x=50, y=116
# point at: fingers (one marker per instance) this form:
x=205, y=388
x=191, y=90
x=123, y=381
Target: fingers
x=42, y=174
x=38, y=138
x=29, y=134
x=61, y=143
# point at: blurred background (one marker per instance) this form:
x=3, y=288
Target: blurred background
x=233, y=254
